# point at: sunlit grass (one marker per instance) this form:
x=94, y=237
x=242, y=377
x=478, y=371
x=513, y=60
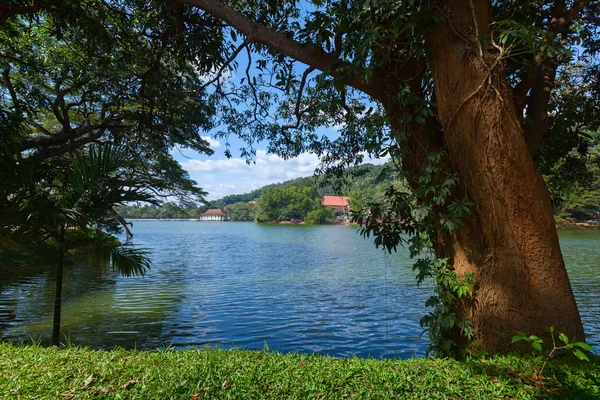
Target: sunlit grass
x=35, y=372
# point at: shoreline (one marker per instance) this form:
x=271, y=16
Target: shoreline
x=576, y=226
x=562, y=225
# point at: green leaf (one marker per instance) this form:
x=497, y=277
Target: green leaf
x=563, y=338
x=447, y=322
x=583, y=345
x=536, y=346
x=579, y=354
x=516, y=338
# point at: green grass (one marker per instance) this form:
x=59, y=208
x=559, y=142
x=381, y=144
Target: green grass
x=33, y=372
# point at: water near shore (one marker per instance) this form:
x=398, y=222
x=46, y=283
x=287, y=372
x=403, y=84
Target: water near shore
x=292, y=288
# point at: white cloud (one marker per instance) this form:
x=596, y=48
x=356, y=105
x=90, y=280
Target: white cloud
x=224, y=165
x=237, y=176
x=214, y=144
x=271, y=166
x=375, y=161
x=266, y=166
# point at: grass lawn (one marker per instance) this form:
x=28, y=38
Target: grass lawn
x=33, y=372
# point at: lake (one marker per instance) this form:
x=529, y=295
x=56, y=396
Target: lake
x=320, y=289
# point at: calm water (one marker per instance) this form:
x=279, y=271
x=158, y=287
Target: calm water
x=292, y=288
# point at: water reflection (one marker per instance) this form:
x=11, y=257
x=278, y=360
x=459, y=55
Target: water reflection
x=580, y=250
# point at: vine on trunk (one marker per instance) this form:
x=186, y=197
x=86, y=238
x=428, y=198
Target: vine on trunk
x=414, y=219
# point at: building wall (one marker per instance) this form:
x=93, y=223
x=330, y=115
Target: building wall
x=338, y=209
x=212, y=218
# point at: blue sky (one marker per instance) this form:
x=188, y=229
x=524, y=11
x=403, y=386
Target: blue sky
x=221, y=176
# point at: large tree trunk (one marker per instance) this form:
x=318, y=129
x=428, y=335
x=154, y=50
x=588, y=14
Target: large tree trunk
x=510, y=242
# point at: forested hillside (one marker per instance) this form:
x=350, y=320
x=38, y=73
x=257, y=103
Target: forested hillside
x=580, y=200
x=364, y=184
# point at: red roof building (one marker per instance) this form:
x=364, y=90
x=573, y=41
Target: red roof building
x=335, y=201
x=214, y=214
x=338, y=203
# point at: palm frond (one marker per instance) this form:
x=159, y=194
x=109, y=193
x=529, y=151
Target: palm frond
x=104, y=251
x=129, y=261
x=101, y=161
x=44, y=213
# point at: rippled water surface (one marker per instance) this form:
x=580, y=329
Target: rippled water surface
x=292, y=288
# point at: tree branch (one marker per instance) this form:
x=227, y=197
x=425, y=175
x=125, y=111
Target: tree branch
x=65, y=136
x=257, y=103
x=154, y=67
x=77, y=103
x=257, y=33
x=540, y=86
x=55, y=108
x=201, y=22
x=227, y=62
x=519, y=93
x=74, y=144
x=10, y=87
x=41, y=128
x=559, y=22
x=5, y=10
x=179, y=23
x=123, y=223
x=297, y=112
x=537, y=106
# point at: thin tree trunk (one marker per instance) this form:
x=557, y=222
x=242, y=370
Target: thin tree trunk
x=123, y=223
x=510, y=243
x=58, y=294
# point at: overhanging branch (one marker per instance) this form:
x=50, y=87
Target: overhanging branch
x=225, y=65
x=5, y=10
x=10, y=87
x=65, y=136
x=71, y=145
x=257, y=33
x=297, y=112
x=563, y=19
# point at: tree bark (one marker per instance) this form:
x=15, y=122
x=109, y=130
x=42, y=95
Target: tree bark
x=58, y=293
x=510, y=242
x=123, y=223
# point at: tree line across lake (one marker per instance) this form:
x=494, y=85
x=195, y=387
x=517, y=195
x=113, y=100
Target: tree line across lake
x=294, y=200
x=299, y=199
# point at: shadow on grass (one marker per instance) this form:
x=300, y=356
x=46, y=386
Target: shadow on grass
x=564, y=377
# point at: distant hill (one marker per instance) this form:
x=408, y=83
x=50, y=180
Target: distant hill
x=359, y=178
x=366, y=181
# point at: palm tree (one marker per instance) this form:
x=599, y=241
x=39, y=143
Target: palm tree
x=71, y=206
